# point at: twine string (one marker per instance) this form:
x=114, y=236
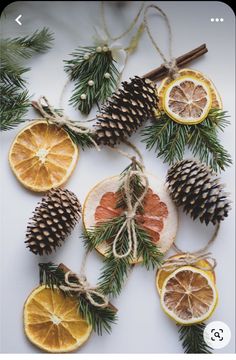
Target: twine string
x=61, y=120
x=83, y=287
x=129, y=222
x=127, y=31
x=170, y=64
x=191, y=258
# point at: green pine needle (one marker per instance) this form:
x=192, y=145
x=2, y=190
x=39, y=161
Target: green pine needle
x=169, y=139
x=81, y=139
x=115, y=270
x=14, y=97
x=192, y=339
x=99, y=318
x=81, y=71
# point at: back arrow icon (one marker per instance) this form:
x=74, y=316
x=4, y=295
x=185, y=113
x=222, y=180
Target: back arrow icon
x=18, y=19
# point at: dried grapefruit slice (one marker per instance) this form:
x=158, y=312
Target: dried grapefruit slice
x=188, y=295
x=52, y=321
x=162, y=274
x=43, y=156
x=187, y=100
x=159, y=216
x=216, y=99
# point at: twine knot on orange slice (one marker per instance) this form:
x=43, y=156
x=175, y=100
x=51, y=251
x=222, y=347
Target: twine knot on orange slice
x=61, y=119
x=174, y=263
x=130, y=214
x=81, y=286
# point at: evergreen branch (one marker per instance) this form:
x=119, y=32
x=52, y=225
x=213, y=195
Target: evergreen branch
x=103, y=231
x=204, y=142
x=147, y=250
x=14, y=106
x=14, y=98
x=81, y=139
x=93, y=68
x=50, y=275
x=169, y=139
x=192, y=339
x=115, y=270
x=24, y=47
x=100, y=318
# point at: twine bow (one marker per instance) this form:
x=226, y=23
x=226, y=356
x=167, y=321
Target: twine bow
x=172, y=264
x=61, y=120
x=129, y=222
x=82, y=287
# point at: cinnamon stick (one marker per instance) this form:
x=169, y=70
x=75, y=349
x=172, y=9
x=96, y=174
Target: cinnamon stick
x=162, y=71
x=65, y=269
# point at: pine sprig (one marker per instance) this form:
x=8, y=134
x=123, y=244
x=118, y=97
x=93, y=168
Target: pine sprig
x=169, y=139
x=99, y=318
x=14, y=97
x=115, y=270
x=192, y=339
x=94, y=68
x=81, y=139
x=147, y=250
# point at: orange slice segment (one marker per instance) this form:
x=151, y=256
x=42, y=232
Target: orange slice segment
x=43, y=156
x=162, y=274
x=216, y=99
x=159, y=216
x=187, y=100
x=188, y=295
x=52, y=321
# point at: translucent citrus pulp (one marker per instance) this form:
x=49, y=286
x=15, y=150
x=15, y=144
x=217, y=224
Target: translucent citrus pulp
x=188, y=295
x=162, y=274
x=43, y=156
x=52, y=321
x=158, y=217
x=177, y=98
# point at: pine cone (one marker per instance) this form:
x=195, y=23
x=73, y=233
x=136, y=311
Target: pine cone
x=125, y=111
x=52, y=221
x=196, y=187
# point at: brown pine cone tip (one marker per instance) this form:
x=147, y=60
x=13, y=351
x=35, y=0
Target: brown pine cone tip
x=53, y=220
x=196, y=188
x=125, y=111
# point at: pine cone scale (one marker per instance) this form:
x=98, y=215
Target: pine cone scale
x=52, y=221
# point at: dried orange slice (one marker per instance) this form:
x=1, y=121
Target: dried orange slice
x=43, y=156
x=162, y=274
x=52, y=321
x=187, y=100
x=188, y=295
x=159, y=216
x=216, y=99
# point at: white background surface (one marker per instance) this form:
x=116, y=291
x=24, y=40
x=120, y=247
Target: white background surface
x=142, y=326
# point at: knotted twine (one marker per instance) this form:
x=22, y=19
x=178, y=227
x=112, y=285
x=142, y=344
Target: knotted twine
x=192, y=258
x=83, y=287
x=130, y=213
x=61, y=120
x=170, y=64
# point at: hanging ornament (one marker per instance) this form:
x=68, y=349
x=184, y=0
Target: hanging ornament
x=126, y=111
x=186, y=284
x=196, y=188
x=44, y=154
x=61, y=313
x=190, y=112
x=100, y=65
x=53, y=220
x=128, y=219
